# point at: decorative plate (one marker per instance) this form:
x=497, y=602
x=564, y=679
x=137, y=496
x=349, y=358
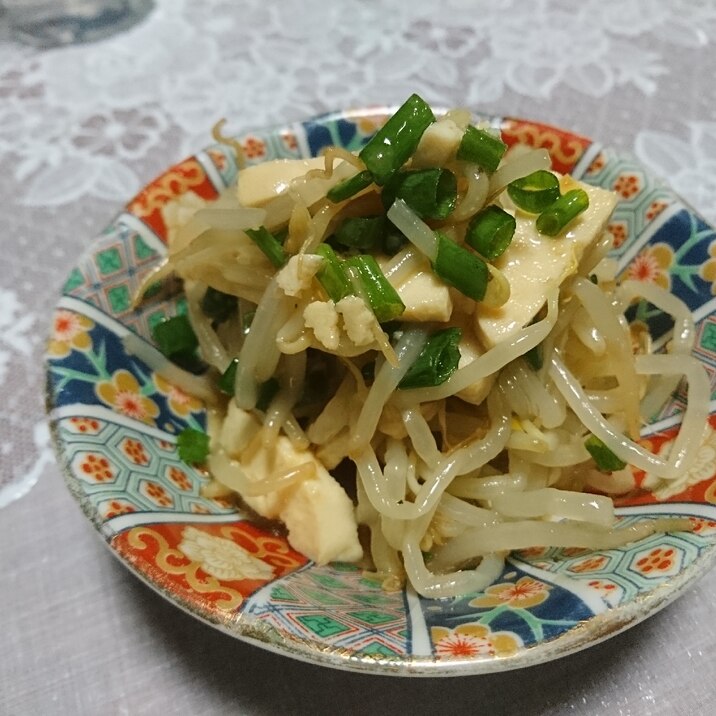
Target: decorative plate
x=115, y=424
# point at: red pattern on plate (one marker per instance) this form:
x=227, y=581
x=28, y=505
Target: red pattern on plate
x=185, y=176
x=565, y=148
x=154, y=551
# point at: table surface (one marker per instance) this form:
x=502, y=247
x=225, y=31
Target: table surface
x=83, y=128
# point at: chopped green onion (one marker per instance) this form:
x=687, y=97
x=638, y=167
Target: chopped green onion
x=331, y=275
x=228, y=378
x=461, y=268
x=374, y=287
x=193, y=446
x=269, y=244
x=397, y=139
x=436, y=362
x=605, y=459
x=175, y=336
x=535, y=357
x=393, y=241
x=361, y=232
x=482, y=148
x=535, y=192
x=556, y=217
x=348, y=187
x=430, y=193
x=217, y=305
x=490, y=231
x=267, y=392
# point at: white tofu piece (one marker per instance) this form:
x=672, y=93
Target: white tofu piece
x=260, y=183
x=426, y=298
x=438, y=144
x=317, y=512
x=321, y=521
x=535, y=264
x=237, y=430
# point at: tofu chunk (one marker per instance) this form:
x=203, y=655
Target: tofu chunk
x=317, y=512
x=438, y=144
x=534, y=264
x=426, y=298
x=260, y=183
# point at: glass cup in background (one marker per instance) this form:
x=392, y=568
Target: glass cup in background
x=52, y=23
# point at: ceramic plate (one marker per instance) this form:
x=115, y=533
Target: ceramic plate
x=115, y=425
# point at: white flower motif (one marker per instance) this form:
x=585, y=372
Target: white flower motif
x=222, y=558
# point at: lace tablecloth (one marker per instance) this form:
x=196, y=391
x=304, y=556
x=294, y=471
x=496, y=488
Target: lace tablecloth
x=83, y=128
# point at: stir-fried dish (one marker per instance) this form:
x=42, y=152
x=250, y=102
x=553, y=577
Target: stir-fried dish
x=417, y=357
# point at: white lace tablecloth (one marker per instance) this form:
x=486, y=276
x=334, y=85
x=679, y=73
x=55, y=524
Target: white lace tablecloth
x=83, y=128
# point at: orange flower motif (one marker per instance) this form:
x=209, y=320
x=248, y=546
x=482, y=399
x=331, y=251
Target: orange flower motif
x=619, y=232
x=598, y=163
x=135, y=451
x=655, y=208
x=523, y=594
x=652, y=265
x=254, y=148
x=70, y=331
x=84, y=425
x=122, y=394
x=179, y=478
x=627, y=185
x=156, y=493
x=180, y=403
x=473, y=640
x=708, y=268
x=703, y=526
x=658, y=560
x=114, y=508
x=591, y=564
x=97, y=468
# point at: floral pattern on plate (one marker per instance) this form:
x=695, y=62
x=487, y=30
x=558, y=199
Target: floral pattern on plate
x=115, y=424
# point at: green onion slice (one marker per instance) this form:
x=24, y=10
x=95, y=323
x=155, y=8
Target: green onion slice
x=267, y=392
x=535, y=192
x=175, y=336
x=331, y=275
x=460, y=268
x=269, y=244
x=361, y=232
x=348, y=187
x=228, y=378
x=490, y=231
x=605, y=459
x=430, y=193
x=436, y=362
x=217, y=305
x=535, y=357
x=375, y=288
x=193, y=446
x=556, y=216
x=481, y=147
x=397, y=139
